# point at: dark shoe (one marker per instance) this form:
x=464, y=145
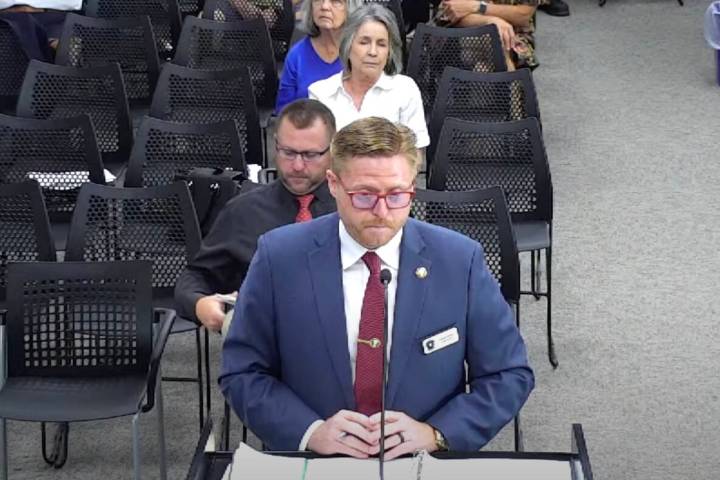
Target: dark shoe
x=556, y=8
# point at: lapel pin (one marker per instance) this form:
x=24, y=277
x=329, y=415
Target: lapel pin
x=421, y=272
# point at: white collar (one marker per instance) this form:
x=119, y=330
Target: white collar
x=385, y=82
x=351, y=251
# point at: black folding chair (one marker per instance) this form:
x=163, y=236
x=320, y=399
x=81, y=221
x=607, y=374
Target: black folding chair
x=278, y=15
x=60, y=154
x=80, y=346
x=54, y=91
x=164, y=16
x=482, y=97
x=129, y=42
x=164, y=150
x=156, y=223
x=510, y=155
x=209, y=45
x=195, y=96
x=434, y=48
x=483, y=216
x=13, y=62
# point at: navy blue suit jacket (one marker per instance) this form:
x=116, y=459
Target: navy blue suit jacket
x=286, y=361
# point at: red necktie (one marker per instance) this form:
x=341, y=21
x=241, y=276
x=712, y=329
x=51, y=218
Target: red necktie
x=304, y=214
x=368, y=362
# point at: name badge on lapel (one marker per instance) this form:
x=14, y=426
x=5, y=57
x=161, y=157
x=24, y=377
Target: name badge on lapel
x=440, y=340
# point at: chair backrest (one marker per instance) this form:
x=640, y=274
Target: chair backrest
x=195, y=96
x=13, y=62
x=510, y=155
x=483, y=216
x=163, y=150
x=24, y=228
x=60, y=154
x=129, y=42
x=209, y=45
x=434, y=48
x=483, y=97
x=154, y=223
x=164, y=16
x=56, y=91
x=278, y=14
x=75, y=319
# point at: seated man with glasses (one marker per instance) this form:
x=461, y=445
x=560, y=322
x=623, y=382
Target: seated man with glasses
x=304, y=131
x=302, y=362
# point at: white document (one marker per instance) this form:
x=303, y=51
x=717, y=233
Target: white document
x=495, y=469
x=356, y=469
x=59, y=181
x=251, y=464
x=248, y=463
x=229, y=298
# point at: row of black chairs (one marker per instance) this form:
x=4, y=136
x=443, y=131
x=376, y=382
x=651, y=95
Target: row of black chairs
x=156, y=224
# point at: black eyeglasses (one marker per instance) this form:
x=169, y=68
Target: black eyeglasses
x=307, y=156
x=363, y=200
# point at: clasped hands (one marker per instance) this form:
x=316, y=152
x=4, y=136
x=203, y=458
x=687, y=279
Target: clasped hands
x=354, y=434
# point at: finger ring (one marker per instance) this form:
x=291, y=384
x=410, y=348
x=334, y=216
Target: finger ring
x=342, y=435
x=402, y=439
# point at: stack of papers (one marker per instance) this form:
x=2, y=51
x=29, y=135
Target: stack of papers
x=251, y=464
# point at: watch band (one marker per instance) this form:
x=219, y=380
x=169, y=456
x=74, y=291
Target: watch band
x=440, y=441
x=482, y=7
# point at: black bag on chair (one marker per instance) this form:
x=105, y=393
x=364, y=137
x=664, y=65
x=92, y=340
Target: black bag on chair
x=211, y=189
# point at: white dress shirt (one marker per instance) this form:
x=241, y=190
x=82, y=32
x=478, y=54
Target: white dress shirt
x=394, y=97
x=355, y=276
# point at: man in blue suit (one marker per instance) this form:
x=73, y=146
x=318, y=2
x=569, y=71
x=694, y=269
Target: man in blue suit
x=302, y=362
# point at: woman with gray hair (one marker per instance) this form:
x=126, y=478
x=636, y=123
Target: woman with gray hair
x=314, y=57
x=370, y=84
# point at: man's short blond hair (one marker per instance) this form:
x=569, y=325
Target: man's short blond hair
x=373, y=137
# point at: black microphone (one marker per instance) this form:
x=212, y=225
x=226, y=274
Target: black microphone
x=385, y=278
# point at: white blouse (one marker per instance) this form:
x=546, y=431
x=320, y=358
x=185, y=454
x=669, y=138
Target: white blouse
x=395, y=97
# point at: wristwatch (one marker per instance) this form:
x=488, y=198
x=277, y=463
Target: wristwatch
x=440, y=441
x=482, y=8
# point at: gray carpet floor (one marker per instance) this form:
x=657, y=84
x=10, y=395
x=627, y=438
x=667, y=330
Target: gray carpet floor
x=629, y=110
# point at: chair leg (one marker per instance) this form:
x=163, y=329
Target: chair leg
x=226, y=427
x=49, y=459
x=548, y=297
x=62, y=439
x=3, y=450
x=538, y=273
x=208, y=391
x=518, y=433
x=161, y=431
x=136, y=446
x=58, y=455
x=201, y=404
x=533, y=287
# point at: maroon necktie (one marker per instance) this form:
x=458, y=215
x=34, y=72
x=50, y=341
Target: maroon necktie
x=304, y=214
x=368, y=362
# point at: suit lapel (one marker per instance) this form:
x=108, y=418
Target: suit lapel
x=409, y=302
x=326, y=274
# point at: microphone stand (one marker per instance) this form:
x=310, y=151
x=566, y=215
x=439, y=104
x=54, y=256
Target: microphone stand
x=385, y=278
